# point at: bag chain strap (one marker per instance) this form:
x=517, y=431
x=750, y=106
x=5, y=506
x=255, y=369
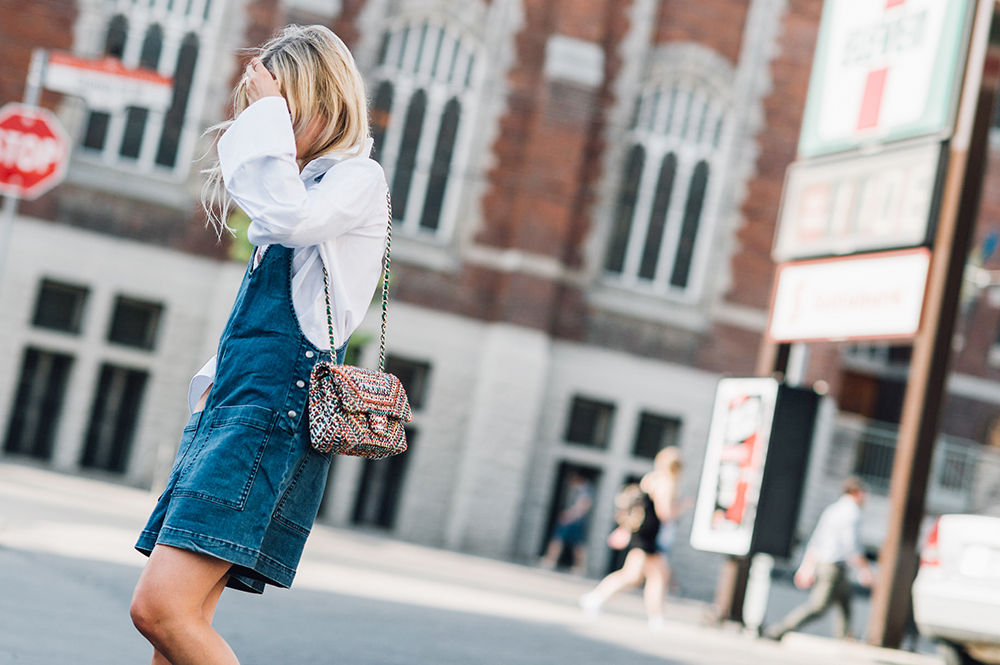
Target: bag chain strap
x=385, y=294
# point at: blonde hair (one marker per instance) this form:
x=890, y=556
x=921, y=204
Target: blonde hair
x=318, y=77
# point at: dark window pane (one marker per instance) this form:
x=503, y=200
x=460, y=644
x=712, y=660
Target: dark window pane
x=114, y=43
x=38, y=404
x=59, y=307
x=152, y=45
x=689, y=228
x=655, y=433
x=589, y=422
x=380, y=488
x=618, y=242
x=173, y=122
x=135, y=323
x=97, y=130
x=441, y=165
x=381, y=110
x=408, y=153
x=413, y=375
x=383, y=48
x=113, y=418
x=658, y=218
x=135, y=125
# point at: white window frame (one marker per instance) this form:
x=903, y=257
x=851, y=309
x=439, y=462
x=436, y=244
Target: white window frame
x=688, y=120
x=178, y=19
x=415, y=70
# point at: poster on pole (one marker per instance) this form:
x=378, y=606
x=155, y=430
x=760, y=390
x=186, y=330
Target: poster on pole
x=738, y=437
x=884, y=70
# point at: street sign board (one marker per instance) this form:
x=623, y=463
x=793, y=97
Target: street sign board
x=883, y=70
x=106, y=84
x=869, y=296
x=859, y=203
x=734, y=465
x=34, y=149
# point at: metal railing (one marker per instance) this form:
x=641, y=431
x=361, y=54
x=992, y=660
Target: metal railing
x=964, y=476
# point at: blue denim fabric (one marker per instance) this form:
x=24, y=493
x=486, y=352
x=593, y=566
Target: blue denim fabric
x=246, y=485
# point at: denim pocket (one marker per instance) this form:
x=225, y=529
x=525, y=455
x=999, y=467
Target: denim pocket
x=226, y=455
x=300, y=502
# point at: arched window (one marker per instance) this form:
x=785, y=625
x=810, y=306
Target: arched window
x=380, y=116
x=135, y=118
x=96, y=134
x=425, y=94
x=408, y=153
x=187, y=57
x=441, y=165
x=658, y=220
x=626, y=209
x=169, y=41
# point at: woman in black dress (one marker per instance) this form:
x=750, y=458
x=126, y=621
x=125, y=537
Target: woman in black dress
x=659, y=507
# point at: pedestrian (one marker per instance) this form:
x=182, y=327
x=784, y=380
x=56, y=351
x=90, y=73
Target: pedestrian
x=834, y=545
x=571, y=525
x=657, y=504
x=246, y=485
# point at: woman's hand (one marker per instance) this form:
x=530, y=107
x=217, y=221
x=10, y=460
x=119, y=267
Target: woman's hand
x=204, y=398
x=260, y=82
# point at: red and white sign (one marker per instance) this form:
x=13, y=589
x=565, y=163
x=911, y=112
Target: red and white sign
x=738, y=438
x=106, y=84
x=34, y=149
x=869, y=296
x=883, y=70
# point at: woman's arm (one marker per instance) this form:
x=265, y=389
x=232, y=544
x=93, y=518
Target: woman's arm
x=257, y=156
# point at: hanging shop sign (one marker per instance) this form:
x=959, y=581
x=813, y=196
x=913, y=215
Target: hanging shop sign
x=869, y=296
x=860, y=203
x=883, y=70
x=106, y=84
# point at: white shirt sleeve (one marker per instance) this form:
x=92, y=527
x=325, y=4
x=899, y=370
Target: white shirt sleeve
x=257, y=156
x=200, y=383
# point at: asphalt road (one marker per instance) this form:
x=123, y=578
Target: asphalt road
x=67, y=571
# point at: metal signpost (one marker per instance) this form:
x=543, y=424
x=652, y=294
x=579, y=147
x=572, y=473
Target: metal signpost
x=897, y=92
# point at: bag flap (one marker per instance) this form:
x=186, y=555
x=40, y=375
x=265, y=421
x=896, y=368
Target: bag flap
x=367, y=390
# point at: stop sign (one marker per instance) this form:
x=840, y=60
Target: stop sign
x=34, y=149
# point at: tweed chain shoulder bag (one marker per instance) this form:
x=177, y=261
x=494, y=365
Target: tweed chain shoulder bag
x=354, y=410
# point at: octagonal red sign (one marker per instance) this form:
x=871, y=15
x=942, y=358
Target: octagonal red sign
x=34, y=149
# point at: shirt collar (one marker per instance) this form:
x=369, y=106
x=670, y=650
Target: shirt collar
x=323, y=163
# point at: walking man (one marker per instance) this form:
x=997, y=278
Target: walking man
x=835, y=545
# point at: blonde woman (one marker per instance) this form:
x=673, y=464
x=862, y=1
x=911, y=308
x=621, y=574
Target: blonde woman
x=246, y=486
x=648, y=534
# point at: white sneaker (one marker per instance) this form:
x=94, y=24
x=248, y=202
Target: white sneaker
x=656, y=623
x=591, y=604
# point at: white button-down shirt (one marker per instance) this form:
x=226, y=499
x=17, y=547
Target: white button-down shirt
x=838, y=534
x=333, y=213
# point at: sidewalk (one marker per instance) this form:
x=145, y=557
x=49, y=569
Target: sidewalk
x=67, y=568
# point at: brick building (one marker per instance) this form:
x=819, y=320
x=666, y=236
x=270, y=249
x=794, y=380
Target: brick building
x=585, y=197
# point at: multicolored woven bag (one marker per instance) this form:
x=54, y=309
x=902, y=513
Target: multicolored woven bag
x=354, y=410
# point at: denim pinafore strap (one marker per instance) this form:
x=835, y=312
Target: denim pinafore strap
x=246, y=485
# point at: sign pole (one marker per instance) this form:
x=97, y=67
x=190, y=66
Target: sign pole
x=32, y=91
x=932, y=345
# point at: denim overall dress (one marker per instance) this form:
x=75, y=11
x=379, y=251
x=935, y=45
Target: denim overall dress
x=246, y=485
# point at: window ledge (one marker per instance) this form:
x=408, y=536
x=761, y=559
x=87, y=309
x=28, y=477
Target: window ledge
x=160, y=190
x=657, y=309
x=424, y=254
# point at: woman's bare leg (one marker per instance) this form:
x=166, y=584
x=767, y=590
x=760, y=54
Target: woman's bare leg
x=208, y=611
x=628, y=575
x=657, y=573
x=173, y=605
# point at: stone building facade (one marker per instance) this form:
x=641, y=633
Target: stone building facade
x=585, y=196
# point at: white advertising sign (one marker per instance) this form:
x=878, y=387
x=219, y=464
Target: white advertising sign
x=858, y=203
x=107, y=85
x=883, y=70
x=870, y=296
x=738, y=437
